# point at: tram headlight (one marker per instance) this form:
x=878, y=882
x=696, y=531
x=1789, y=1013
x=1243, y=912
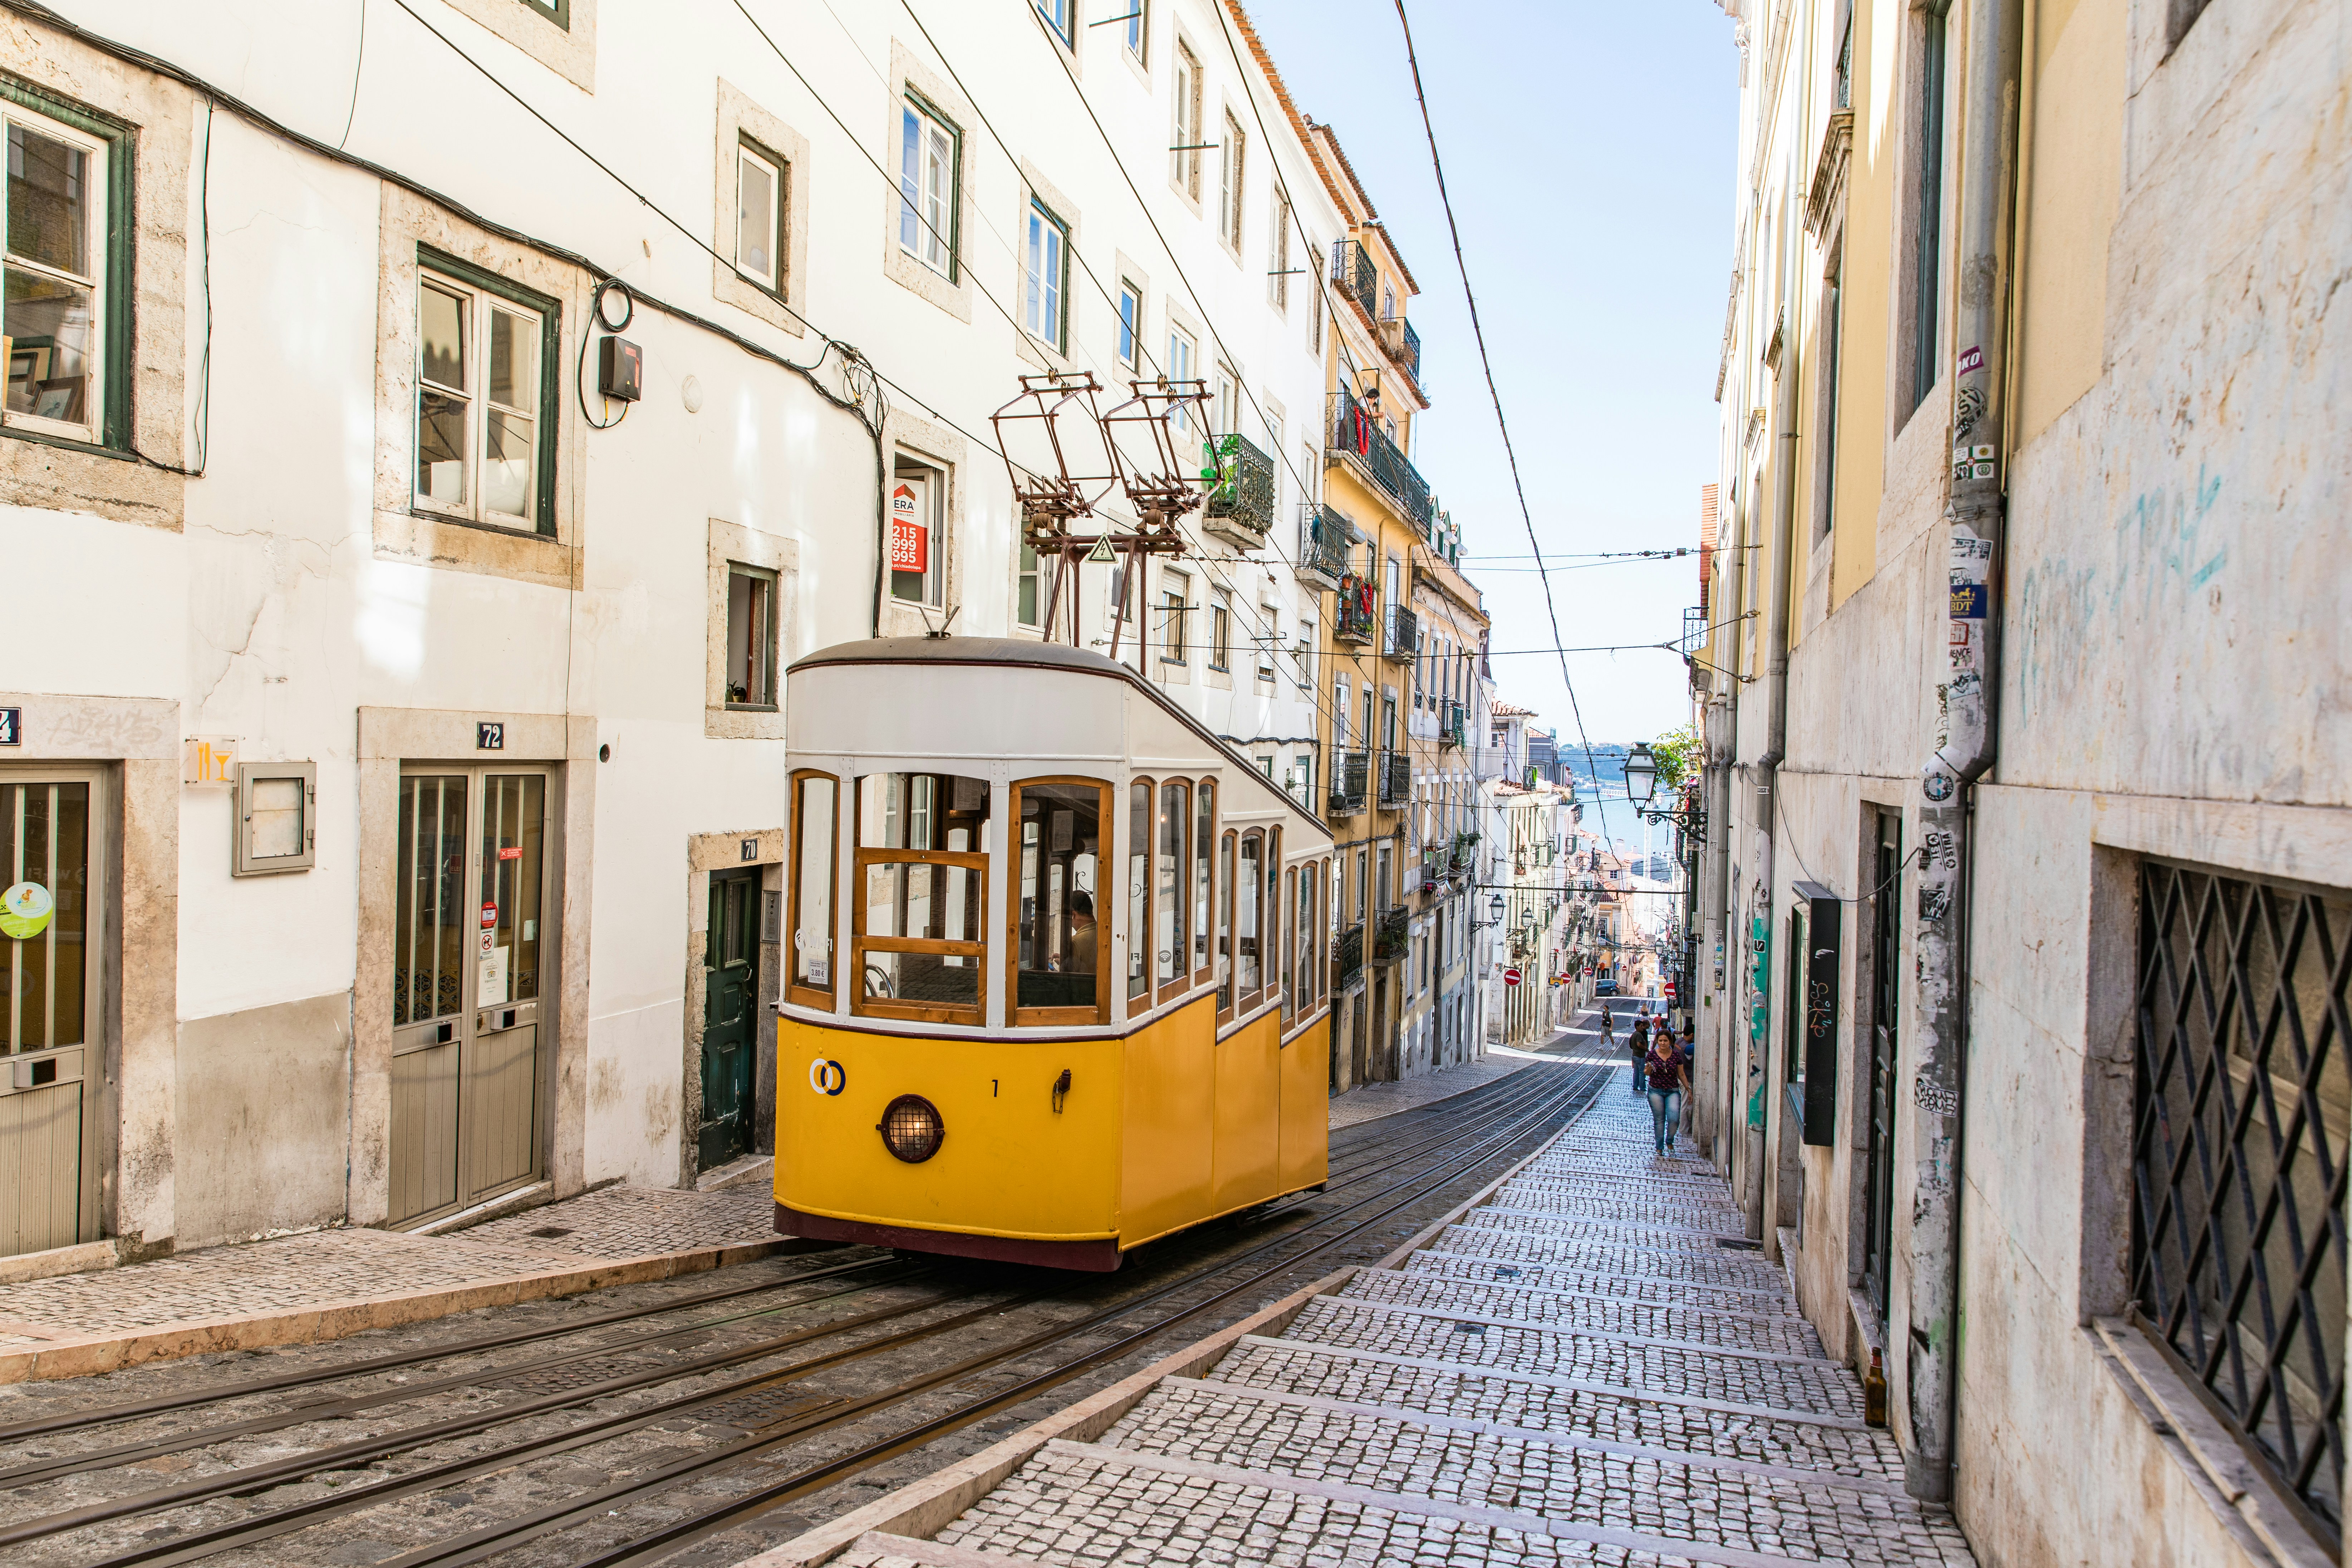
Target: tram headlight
x=911, y=1129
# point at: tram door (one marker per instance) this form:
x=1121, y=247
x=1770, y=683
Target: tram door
x=471, y=931
x=731, y=984
x=50, y=951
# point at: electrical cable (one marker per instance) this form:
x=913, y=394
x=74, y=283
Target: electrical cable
x=359, y=58
x=580, y=365
x=1478, y=331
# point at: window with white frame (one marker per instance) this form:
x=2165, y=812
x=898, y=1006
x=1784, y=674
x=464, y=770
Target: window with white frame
x=1225, y=407
x=1136, y=29
x=59, y=267
x=759, y=216
x=1185, y=171
x=1173, y=588
x=1229, y=189
x=1304, y=651
x=1269, y=633
x=485, y=414
x=1130, y=324
x=928, y=150
x=1057, y=15
x=1279, y=276
x=1046, y=262
x=1220, y=631
x=918, y=533
x=1179, y=369
x=1314, y=303
x=1026, y=602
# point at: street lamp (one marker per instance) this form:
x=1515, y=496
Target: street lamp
x=1495, y=907
x=1641, y=776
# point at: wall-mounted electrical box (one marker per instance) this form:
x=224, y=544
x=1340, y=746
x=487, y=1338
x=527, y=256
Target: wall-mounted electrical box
x=620, y=369
x=276, y=818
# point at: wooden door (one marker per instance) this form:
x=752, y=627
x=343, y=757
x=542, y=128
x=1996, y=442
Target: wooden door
x=50, y=952
x=730, y=1016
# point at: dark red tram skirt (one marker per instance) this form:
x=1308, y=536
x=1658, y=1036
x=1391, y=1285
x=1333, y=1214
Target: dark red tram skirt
x=1093, y=1257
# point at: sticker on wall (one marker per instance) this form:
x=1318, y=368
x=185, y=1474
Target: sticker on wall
x=25, y=910
x=1971, y=359
x=489, y=916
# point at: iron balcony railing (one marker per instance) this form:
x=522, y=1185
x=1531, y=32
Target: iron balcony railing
x=1394, y=927
x=1355, y=432
x=1350, y=781
x=1323, y=543
x=1355, y=622
x=1403, y=640
x=1240, y=507
x=1452, y=719
x=1396, y=779
x=1403, y=345
x=1353, y=271
x=1347, y=960
x=1694, y=630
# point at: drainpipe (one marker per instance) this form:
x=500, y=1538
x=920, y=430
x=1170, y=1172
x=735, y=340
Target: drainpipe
x=1776, y=739
x=1963, y=736
x=1722, y=739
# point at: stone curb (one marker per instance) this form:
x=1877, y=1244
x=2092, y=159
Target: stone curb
x=920, y=1509
x=325, y=1320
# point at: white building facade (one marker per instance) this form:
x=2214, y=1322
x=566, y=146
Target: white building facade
x=390, y=715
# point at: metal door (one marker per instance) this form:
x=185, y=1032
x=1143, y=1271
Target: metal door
x=730, y=990
x=470, y=927
x=51, y=947
x=1886, y=993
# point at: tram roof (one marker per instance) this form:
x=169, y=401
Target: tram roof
x=1023, y=653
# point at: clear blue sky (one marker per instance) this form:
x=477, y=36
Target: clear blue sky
x=1589, y=149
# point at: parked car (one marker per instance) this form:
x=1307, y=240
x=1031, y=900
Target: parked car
x=1604, y=988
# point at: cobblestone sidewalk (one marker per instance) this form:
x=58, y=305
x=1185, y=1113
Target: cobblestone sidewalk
x=334, y=1275
x=1576, y=1372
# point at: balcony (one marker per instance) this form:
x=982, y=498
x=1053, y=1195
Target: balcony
x=1240, y=506
x=1356, y=433
x=1694, y=630
x=1324, y=537
x=1353, y=271
x=1355, y=622
x=1403, y=345
x=1350, y=783
x=1347, y=960
x=1401, y=640
x=1394, y=928
x=1396, y=779
x=1452, y=720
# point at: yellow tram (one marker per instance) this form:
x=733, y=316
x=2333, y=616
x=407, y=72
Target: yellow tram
x=1057, y=977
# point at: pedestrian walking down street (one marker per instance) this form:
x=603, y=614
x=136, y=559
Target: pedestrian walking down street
x=1637, y=1045
x=1667, y=1067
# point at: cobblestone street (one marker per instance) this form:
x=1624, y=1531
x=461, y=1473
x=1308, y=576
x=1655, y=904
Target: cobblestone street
x=1590, y=1367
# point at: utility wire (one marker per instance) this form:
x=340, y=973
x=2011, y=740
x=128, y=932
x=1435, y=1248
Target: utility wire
x=1478, y=331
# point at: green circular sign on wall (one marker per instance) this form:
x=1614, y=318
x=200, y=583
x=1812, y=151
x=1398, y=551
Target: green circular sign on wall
x=25, y=910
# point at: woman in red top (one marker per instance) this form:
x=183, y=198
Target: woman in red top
x=1667, y=1067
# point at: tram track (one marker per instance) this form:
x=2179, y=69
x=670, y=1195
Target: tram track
x=1445, y=1145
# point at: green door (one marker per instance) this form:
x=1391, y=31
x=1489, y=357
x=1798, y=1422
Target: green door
x=730, y=962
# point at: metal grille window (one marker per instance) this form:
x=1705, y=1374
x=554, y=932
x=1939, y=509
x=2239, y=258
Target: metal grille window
x=2239, y=1150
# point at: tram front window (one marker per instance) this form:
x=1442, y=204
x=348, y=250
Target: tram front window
x=922, y=876
x=1056, y=929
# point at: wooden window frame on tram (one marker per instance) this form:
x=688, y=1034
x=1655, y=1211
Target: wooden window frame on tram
x=1186, y=980
x=1015, y=1014
x=860, y=944
x=1247, y=1003
x=1205, y=909
x=828, y=999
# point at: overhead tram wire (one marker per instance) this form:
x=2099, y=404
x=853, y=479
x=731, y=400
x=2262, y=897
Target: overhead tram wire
x=1478, y=331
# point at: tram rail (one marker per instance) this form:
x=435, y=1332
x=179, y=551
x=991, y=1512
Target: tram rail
x=1474, y=1128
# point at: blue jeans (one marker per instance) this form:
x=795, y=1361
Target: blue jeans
x=1666, y=1115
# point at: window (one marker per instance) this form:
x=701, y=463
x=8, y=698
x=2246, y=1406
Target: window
x=66, y=323
x=919, y=942
x=1926, y=287
x=1292, y=931
x=1204, y=832
x=1138, y=892
x=1249, y=977
x=1226, y=927
x=1229, y=187
x=2238, y=1144
x=1130, y=324
x=928, y=150
x=760, y=218
x=556, y=11
x=1026, y=574
x=484, y=408
x=1136, y=29
x=1315, y=306
x=1172, y=949
x=815, y=856
x=1277, y=291
x=1305, y=653
x=1302, y=779
x=1269, y=633
x=1224, y=408
x=1184, y=172
x=1047, y=270
x=1172, y=618
x=750, y=638
x=1179, y=369
x=1057, y=976
x=1833, y=345
x=918, y=533
x=1221, y=632
x=1057, y=14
